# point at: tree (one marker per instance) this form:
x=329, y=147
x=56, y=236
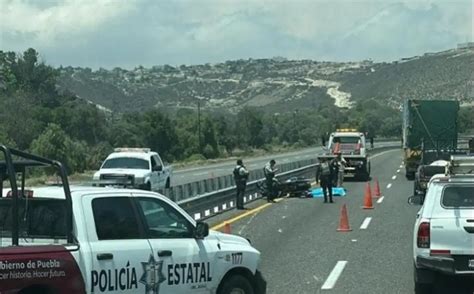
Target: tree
x=159, y=133
x=54, y=143
x=466, y=119
x=249, y=126
x=209, y=139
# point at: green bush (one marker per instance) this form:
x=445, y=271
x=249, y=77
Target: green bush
x=55, y=144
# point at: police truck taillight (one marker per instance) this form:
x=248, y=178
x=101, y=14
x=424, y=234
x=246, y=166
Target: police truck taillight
x=423, y=237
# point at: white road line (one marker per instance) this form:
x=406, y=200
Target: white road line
x=389, y=186
x=334, y=275
x=380, y=154
x=394, y=177
x=380, y=200
x=398, y=171
x=401, y=165
x=366, y=223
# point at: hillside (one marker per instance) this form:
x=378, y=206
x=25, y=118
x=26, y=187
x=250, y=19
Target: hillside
x=275, y=84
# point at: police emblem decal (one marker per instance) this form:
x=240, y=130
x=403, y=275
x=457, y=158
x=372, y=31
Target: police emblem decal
x=152, y=275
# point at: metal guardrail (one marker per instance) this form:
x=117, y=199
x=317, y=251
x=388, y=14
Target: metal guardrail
x=216, y=198
x=203, y=187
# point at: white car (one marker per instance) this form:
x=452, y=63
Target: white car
x=352, y=145
x=124, y=241
x=134, y=167
x=107, y=240
x=443, y=242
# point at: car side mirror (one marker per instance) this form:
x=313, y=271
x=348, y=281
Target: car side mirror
x=201, y=231
x=157, y=168
x=415, y=200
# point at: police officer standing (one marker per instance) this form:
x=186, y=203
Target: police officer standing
x=241, y=175
x=325, y=177
x=269, y=171
x=339, y=166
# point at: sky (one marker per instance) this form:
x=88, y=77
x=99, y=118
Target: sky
x=129, y=33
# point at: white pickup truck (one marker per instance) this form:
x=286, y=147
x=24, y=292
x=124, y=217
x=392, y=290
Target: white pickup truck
x=352, y=146
x=443, y=242
x=66, y=240
x=134, y=167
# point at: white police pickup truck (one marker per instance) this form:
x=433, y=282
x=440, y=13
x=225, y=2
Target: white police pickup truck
x=352, y=146
x=443, y=241
x=66, y=240
x=134, y=167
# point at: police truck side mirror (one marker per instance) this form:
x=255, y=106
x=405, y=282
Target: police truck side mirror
x=157, y=168
x=201, y=231
x=415, y=200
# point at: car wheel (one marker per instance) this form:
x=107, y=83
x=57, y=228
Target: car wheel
x=147, y=187
x=421, y=288
x=236, y=284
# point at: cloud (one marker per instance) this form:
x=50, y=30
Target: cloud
x=51, y=23
x=148, y=32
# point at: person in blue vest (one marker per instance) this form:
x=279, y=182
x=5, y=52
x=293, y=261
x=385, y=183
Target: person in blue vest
x=241, y=175
x=325, y=176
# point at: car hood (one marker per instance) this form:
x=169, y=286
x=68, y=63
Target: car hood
x=228, y=238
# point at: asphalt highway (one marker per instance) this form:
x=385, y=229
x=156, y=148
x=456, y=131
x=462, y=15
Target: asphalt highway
x=194, y=174
x=303, y=253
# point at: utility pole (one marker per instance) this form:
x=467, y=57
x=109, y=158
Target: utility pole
x=199, y=126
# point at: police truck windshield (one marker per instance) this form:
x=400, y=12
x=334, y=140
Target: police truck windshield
x=347, y=140
x=126, y=162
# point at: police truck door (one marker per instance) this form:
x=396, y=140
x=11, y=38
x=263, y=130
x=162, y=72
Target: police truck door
x=161, y=179
x=121, y=260
x=155, y=175
x=186, y=263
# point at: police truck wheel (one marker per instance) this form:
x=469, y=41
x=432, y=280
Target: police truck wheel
x=421, y=288
x=147, y=187
x=236, y=284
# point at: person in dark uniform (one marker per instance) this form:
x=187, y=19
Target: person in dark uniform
x=269, y=171
x=240, y=176
x=471, y=145
x=325, y=177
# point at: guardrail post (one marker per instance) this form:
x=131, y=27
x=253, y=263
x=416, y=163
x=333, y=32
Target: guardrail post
x=215, y=184
x=206, y=186
x=189, y=191
x=200, y=187
x=170, y=193
x=179, y=193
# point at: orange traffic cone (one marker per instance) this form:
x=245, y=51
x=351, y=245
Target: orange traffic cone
x=227, y=228
x=367, y=198
x=344, y=221
x=377, y=192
